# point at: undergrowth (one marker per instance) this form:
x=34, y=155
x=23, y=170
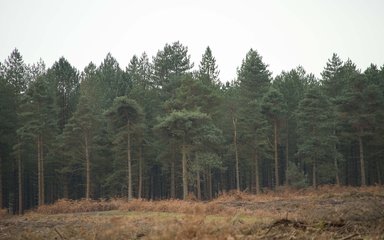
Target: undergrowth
x=215, y=206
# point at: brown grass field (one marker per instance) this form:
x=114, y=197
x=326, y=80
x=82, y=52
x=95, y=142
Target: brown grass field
x=326, y=213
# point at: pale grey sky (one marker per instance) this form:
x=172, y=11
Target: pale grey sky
x=287, y=33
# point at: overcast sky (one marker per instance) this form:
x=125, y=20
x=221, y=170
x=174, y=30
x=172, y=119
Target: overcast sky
x=286, y=33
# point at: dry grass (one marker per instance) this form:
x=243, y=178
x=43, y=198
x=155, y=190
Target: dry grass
x=73, y=206
x=329, y=212
x=3, y=213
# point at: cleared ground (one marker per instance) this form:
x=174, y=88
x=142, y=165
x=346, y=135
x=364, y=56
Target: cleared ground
x=326, y=213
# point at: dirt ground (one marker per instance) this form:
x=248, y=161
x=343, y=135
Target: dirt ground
x=352, y=214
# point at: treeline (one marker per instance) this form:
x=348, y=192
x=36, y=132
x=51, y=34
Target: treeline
x=157, y=129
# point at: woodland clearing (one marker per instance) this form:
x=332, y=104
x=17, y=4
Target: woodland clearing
x=325, y=213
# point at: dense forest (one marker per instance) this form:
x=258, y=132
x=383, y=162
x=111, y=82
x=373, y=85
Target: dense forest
x=158, y=129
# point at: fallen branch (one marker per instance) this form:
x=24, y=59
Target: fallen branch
x=286, y=222
x=350, y=236
x=57, y=231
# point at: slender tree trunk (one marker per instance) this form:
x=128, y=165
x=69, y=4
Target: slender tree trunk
x=65, y=187
x=337, y=170
x=362, y=165
x=234, y=121
x=336, y=163
x=1, y=181
x=173, y=187
x=87, y=168
x=223, y=183
x=198, y=182
x=39, y=171
x=377, y=169
x=19, y=174
x=129, y=162
x=286, y=155
x=198, y=185
x=314, y=177
x=139, y=191
x=209, y=183
x=42, y=171
x=256, y=160
x=277, y=183
x=184, y=166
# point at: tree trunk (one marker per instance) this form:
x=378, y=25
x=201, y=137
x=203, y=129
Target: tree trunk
x=173, y=187
x=129, y=162
x=65, y=187
x=140, y=187
x=184, y=166
x=42, y=171
x=286, y=155
x=256, y=159
x=336, y=163
x=362, y=165
x=234, y=121
x=39, y=171
x=19, y=177
x=198, y=185
x=377, y=169
x=87, y=168
x=314, y=182
x=1, y=182
x=277, y=183
x=209, y=183
x=337, y=170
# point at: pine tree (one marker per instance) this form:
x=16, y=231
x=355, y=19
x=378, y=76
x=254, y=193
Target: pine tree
x=8, y=126
x=331, y=76
x=16, y=72
x=253, y=76
x=65, y=81
x=79, y=132
x=39, y=122
x=358, y=107
x=183, y=126
x=315, y=129
x=208, y=69
x=125, y=114
x=333, y=84
x=111, y=81
x=293, y=86
x=274, y=107
x=172, y=60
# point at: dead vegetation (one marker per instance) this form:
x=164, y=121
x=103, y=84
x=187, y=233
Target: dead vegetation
x=326, y=213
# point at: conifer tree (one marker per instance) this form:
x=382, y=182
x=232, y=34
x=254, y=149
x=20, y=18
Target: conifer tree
x=315, y=129
x=208, y=69
x=184, y=126
x=172, y=60
x=274, y=107
x=125, y=114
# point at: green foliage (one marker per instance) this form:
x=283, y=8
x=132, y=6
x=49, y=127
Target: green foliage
x=64, y=80
x=16, y=72
x=315, y=120
x=208, y=69
x=172, y=60
x=8, y=116
x=124, y=110
x=273, y=104
x=183, y=124
x=162, y=124
x=296, y=177
x=110, y=81
x=253, y=76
